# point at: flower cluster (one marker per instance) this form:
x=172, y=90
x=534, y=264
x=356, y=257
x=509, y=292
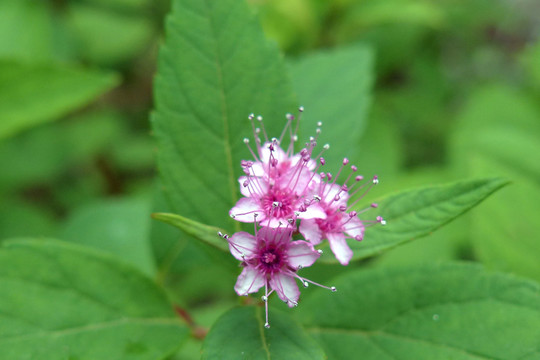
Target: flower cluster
x=286, y=193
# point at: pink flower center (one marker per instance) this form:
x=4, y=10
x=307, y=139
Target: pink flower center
x=271, y=260
x=278, y=203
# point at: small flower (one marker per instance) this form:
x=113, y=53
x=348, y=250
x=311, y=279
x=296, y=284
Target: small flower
x=277, y=184
x=340, y=223
x=271, y=259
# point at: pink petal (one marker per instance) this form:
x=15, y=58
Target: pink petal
x=249, y=281
x=339, y=247
x=286, y=288
x=310, y=231
x=242, y=243
x=273, y=222
x=256, y=187
x=297, y=180
x=313, y=211
x=301, y=254
x=275, y=235
x=330, y=194
x=278, y=153
x=245, y=209
x=354, y=228
x=259, y=169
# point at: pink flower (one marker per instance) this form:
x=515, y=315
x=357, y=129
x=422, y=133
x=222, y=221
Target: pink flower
x=277, y=185
x=271, y=259
x=339, y=224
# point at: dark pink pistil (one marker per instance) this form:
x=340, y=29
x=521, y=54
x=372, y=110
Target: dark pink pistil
x=270, y=260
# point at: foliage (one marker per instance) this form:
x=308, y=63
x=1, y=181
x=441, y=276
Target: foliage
x=121, y=118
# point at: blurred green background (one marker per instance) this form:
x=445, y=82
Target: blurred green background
x=455, y=95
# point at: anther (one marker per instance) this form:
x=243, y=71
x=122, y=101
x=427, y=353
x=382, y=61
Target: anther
x=317, y=198
x=345, y=161
x=333, y=288
x=246, y=141
x=289, y=116
x=306, y=284
x=374, y=205
x=267, y=325
x=326, y=146
x=375, y=179
x=352, y=214
x=259, y=118
x=354, y=168
x=359, y=178
x=232, y=216
x=251, y=116
x=301, y=109
x=320, y=251
x=264, y=298
x=319, y=123
x=275, y=204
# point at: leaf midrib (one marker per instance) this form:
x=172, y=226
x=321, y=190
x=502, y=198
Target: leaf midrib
x=225, y=113
x=447, y=198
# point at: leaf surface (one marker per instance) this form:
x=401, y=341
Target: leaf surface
x=204, y=233
x=209, y=80
x=240, y=334
x=60, y=301
x=450, y=311
x=120, y=227
x=498, y=132
x=416, y=213
x=334, y=87
x=33, y=94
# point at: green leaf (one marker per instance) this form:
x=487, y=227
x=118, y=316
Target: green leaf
x=92, y=26
x=334, y=87
x=120, y=227
x=208, y=82
x=240, y=334
x=416, y=213
x=497, y=133
x=33, y=94
x=530, y=60
x=205, y=233
x=60, y=301
x=21, y=219
x=450, y=311
x=26, y=30
x=34, y=159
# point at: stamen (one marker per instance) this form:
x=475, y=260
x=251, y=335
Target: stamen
x=304, y=281
x=265, y=299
